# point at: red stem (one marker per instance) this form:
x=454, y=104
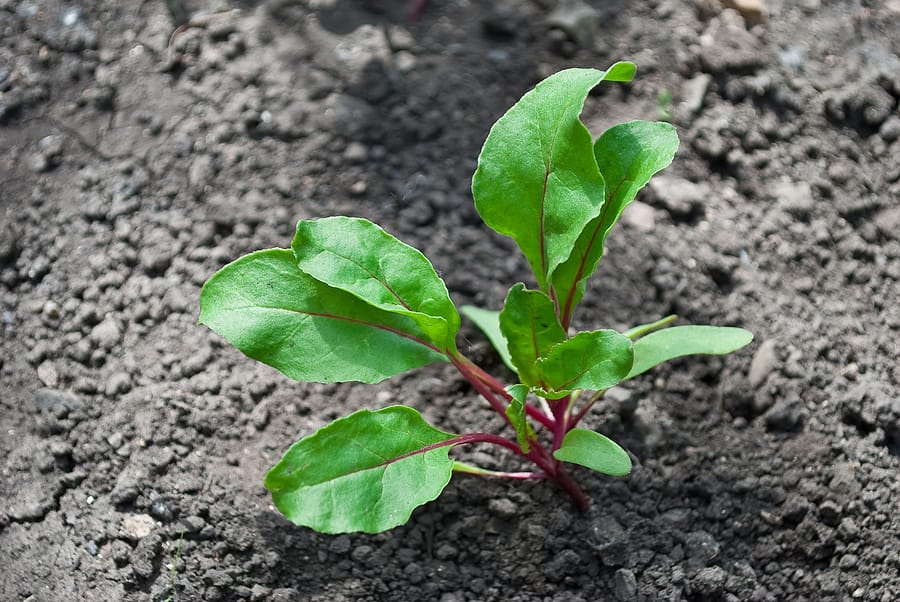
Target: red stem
x=465, y=368
x=560, y=407
x=582, y=412
x=569, y=485
x=480, y=438
x=498, y=388
x=487, y=385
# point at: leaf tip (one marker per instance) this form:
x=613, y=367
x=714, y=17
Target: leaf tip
x=622, y=71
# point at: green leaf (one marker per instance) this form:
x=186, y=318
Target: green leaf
x=488, y=321
x=628, y=155
x=595, y=451
x=515, y=411
x=365, y=472
x=678, y=341
x=273, y=312
x=537, y=180
x=529, y=324
x=355, y=255
x=590, y=360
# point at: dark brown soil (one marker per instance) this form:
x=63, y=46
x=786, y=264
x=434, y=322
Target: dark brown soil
x=142, y=147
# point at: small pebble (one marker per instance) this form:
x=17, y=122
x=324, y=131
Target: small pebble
x=625, y=585
x=356, y=152
x=106, y=334
x=709, y=582
x=51, y=310
x=359, y=188
x=137, y=526
x=503, y=508
x=764, y=362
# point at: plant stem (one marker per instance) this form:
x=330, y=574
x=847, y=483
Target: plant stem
x=559, y=473
x=584, y=410
x=536, y=454
x=482, y=438
x=497, y=387
x=560, y=428
x=639, y=331
x=484, y=472
x=467, y=369
x=569, y=485
x=489, y=387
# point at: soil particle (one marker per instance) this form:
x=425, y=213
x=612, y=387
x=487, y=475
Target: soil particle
x=34, y=500
x=144, y=559
x=765, y=361
x=701, y=549
x=681, y=198
x=503, y=508
x=624, y=585
x=56, y=401
x=709, y=583
x=137, y=526
x=107, y=333
x=860, y=107
x=785, y=416
x=726, y=46
x=693, y=91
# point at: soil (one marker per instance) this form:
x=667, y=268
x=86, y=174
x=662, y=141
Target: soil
x=143, y=145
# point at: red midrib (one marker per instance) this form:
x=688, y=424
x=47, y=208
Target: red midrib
x=395, y=331
x=571, y=293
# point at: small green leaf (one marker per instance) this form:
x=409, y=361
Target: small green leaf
x=515, y=411
x=590, y=360
x=595, y=451
x=488, y=321
x=273, y=312
x=530, y=326
x=537, y=180
x=628, y=155
x=355, y=255
x=365, y=472
x=678, y=341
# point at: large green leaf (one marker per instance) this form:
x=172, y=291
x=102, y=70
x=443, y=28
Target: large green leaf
x=264, y=305
x=355, y=255
x=594, y=451
x=488, y=321
x=529, y=324
x=678, y=341
x=590, y=360
x=628, y=155
x=366, y=472
x=537, y=180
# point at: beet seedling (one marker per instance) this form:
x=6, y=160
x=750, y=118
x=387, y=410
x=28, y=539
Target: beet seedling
x=349, y=302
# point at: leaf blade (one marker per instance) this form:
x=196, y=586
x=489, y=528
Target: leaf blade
x=537, y=180
x=365, y=472
x=269, y=309
x=590, y=360
x=628, y=155
x=679, y=341
x=488, y=321
x=529, y=324
x=359, y=257
x=595, y=451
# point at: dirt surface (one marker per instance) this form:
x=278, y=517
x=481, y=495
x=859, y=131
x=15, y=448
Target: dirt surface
x=143, y=145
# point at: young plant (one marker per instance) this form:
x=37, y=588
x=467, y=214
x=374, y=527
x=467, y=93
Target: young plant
x=349, y=302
